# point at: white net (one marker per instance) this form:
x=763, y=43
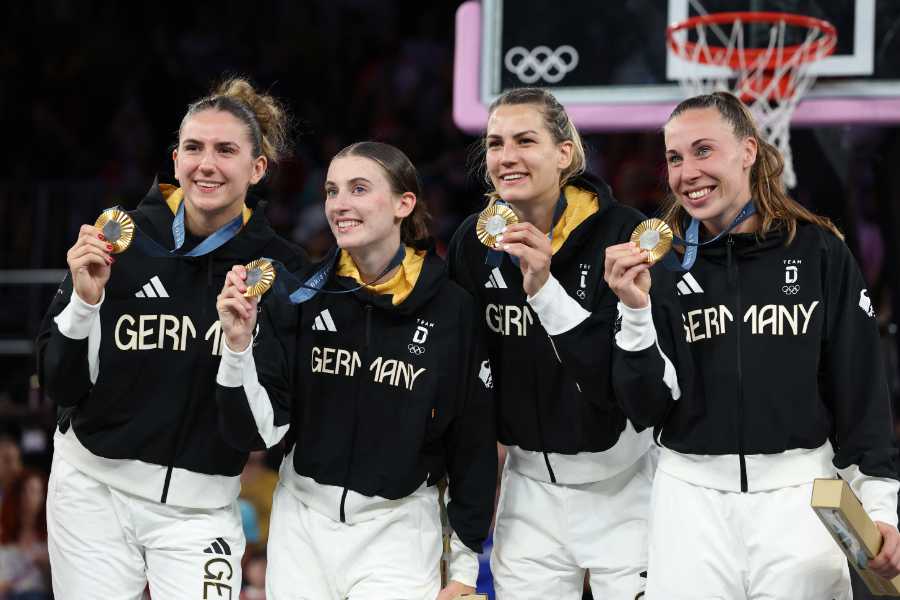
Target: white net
x=770, y=78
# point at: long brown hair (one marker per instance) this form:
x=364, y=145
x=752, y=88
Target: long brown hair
x=11, y=509
x=402, y=177
x=775, y=208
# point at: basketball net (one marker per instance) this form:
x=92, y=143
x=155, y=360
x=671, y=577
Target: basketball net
x=770, y=79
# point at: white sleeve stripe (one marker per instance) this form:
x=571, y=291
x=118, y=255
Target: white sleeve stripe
x=670, y=377
x=877, y=494
x=463, y=564
x=558, y=311
x=240, y=368
x=639, y=333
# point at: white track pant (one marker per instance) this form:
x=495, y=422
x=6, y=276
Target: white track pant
x=706, y=544
x=547, y=535
x=108, y=545
x=394, y=556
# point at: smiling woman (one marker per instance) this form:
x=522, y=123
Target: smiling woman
x=759, y=368
x=138, y=450
x=572, y=456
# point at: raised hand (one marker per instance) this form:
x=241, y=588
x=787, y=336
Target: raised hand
x=237, y=314
x=89, y=261
x=532, y=248
x=627, y=273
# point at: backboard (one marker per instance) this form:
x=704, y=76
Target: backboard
x=608, y=62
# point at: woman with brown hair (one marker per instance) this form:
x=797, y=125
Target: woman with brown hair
x=756, y=359
x=24, y=563
x=381, y=377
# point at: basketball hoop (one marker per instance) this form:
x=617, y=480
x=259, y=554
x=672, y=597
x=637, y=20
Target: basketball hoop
x=770, y=79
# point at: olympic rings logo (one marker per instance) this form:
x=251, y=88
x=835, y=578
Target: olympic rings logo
x=790, y=290
x=415, y=349
x=541, y=63
x=581, y=294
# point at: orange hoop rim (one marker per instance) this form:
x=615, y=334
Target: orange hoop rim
x=738, y=59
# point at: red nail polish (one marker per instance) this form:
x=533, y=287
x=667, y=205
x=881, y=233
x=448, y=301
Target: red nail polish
x=109, y=247
x=100, y=236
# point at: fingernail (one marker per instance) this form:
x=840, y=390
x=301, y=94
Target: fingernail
x=109, y=247
x=503, y=230
x=500, y=238
x=100, y=236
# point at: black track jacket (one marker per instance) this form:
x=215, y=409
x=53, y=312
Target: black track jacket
x=138, y=383
x=380, y=398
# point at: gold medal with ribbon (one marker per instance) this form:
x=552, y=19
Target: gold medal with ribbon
x=654, y=237
x=491, y=222
x=117, y=228
x=260, y=276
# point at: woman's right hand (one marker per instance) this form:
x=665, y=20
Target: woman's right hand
x=627, y=273
x=89, y=262
x=237, y=314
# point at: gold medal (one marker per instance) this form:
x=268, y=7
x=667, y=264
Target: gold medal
x=260, y=276
x=117, y=228
x=653, y=236
x=491, y=222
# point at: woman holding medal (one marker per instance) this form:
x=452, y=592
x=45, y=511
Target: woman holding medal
x=382, y=380
x=143, y=487
x=576, y=484
x=757, y=361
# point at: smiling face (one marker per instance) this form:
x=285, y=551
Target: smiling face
x=708, y=166
x=214, y=163
x=523, y=160
x=362, y=209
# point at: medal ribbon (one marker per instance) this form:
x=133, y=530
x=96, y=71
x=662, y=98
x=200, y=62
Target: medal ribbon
x=306, y=290
x=494, y=258
x=691, y=241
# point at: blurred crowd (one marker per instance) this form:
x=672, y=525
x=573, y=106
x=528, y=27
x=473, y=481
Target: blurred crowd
x=91, y=96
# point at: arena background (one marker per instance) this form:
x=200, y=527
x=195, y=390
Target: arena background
x=92, y=93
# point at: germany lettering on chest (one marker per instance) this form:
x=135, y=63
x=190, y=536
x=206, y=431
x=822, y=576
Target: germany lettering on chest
x=765, y=319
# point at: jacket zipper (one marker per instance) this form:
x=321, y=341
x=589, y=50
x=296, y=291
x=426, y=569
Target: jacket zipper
x=733, y=278
x=365, y=359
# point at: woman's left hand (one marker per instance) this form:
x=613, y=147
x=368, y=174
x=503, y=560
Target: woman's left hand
x=887, y=563
x=453, y=590
x=532, y=248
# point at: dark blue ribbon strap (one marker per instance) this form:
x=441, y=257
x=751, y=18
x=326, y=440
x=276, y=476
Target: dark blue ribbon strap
x=218, y=238
x=691, y=241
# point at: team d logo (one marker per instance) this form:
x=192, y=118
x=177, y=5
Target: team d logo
x=791, y=285
x=416, y=346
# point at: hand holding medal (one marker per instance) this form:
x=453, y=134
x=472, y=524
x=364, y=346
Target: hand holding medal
x=91, y=257
x=236, y=305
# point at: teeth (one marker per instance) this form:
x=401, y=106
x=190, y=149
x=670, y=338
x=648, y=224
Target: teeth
x=347, y=224
x=512, y=177
x=699, y=193
x=208, y=185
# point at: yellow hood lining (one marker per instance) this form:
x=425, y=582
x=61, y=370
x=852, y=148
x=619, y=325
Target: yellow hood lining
x=400, y=285
x=175, y=195
x=581, y=204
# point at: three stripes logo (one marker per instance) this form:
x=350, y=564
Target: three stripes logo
x=324, y=322
x=219, y=546
x=153, y=289
x=495, y=280
x=688, y=285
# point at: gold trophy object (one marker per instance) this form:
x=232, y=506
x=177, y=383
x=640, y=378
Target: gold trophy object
x=857, y=535
x=117, y=228
x=260, y=276
x=491, y=222
x=653, y=236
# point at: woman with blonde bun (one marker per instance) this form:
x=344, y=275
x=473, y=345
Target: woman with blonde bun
x=143, y=488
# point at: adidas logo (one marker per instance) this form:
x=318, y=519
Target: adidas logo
x=219, y=546
x=324, y=322
x=495, y=280
x=688, y=285
x=153, y=289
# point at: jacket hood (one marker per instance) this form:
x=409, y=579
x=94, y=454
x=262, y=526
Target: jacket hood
x=589, y=199
x=421, y=276
x=155, y=213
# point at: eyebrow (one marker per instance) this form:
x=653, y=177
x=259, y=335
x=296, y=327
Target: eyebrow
x=225, y=143
x=693, y=144
x=515, y=135
x=350, y=181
